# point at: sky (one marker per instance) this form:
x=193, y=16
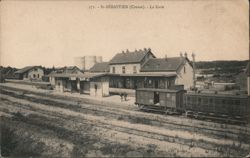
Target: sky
x=52, y=33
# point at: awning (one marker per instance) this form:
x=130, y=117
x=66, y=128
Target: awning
x=144, y=75
x=83, y=77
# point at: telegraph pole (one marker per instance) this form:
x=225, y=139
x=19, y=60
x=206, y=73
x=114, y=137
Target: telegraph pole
x=194, y=70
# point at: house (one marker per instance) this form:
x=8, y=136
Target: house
x=181, y=67
x=30, y=73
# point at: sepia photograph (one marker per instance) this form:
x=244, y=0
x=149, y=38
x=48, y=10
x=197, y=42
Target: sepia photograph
x=124, y=78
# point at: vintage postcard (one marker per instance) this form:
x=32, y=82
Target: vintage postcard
x=124, y=78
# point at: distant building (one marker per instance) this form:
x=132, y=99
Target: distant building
x=86, y=62
x=30, y=73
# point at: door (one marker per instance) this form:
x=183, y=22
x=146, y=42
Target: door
x=86, y=87
x=156, y=84
x=74, y=85
x=156, y=97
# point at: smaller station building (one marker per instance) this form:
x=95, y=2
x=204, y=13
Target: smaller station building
x=72, y=79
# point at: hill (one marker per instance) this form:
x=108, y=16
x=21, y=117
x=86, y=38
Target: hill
x=221, y=67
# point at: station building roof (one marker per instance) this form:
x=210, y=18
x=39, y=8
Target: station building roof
x=100, y=67
x=130, y=57
x=164, y=64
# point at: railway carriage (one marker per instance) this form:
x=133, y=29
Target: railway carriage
x=217, y=106
x=164, y=100
x=230, y=108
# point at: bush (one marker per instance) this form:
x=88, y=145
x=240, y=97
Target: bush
x=8, y=141
x=2, y=79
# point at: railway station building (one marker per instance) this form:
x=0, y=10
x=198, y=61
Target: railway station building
x=130, y=70
x=124, y=73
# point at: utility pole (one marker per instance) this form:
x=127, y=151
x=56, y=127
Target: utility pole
x=194, y=70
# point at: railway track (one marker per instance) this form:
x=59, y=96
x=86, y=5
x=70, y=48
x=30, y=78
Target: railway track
x=107, y=126
x=82, y=123
x=133, y=116
x=75, y=100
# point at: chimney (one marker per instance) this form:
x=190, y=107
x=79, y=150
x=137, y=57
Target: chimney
x=166, y=57
x=140, y=50
x=123, y=51
x=194, y=69
x=186, y=55
x=181, y=55
x=127, y=51
x=136, y=50
x=145, y=49
x=149, y=49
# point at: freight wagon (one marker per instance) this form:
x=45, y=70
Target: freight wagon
x=163, y=100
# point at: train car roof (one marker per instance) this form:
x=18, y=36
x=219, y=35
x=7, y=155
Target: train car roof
x=217, y=95
x=159, y=90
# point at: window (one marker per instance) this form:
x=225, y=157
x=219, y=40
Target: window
x=150, y=84
x=113, y=70
x=168, y=83
x=237, y=102
x=168, y=95
x=223, y=101
x=149, y=81
x=199, y=100
x=184, y=69
x=211, y=101
x=37, y=75
x=127, y=83
x=123, y=70
x=34, y=75
x=217, y=101
x=134, y=70
x=173, y=98
x=205, y=100
x=35, y=69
